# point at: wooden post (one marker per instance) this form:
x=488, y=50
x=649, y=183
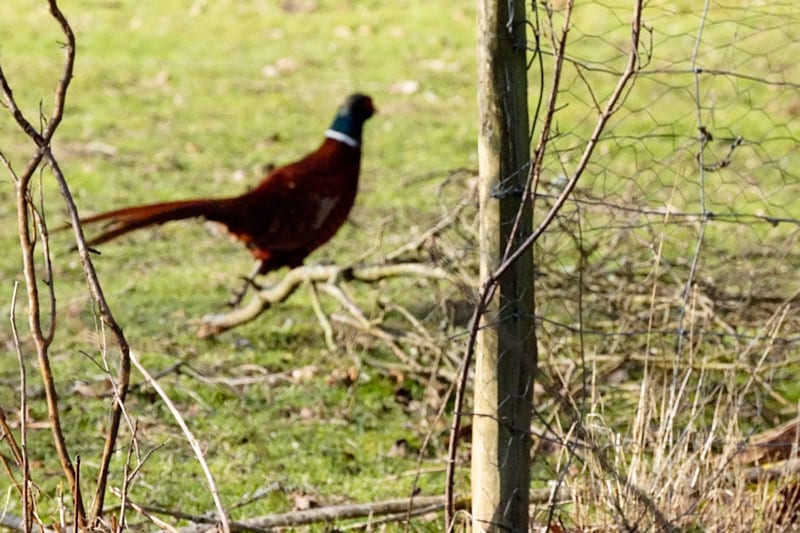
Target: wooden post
x=506, y=348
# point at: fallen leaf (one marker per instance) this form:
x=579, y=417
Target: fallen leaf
x=302, y=501
x=343, y=376
x=439, y=65
x=299, y=6
x=400, y=448
x=304, y=373
x=405, y=87
x=283, y=65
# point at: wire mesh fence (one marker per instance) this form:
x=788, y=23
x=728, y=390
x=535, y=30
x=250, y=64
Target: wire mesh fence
x=666, y=288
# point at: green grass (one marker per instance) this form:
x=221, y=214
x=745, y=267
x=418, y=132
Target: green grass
x=179, y=99
x=176, y=99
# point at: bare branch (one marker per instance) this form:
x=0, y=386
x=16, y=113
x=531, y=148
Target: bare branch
x=28, y=244
x=16, y=451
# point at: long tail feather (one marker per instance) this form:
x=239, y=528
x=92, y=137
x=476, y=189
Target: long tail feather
x=129, y=219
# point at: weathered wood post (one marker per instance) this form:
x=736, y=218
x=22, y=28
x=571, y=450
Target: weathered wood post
x=506, y=349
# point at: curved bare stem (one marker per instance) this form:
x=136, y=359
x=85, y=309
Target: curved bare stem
x=212, y=486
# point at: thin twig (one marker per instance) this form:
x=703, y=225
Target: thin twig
x=77, y=497
x=16, y=451
x=703, y=140
x=212, y=486
x=21, y=452
x=126, y=481
x=324, y=323
x=445, y=222
x=142, y=510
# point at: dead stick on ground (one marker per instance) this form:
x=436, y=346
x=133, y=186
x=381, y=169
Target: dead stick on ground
x=215, y=324
x=328, y=514
x=396, y=509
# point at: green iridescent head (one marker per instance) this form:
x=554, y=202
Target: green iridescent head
x=348, y=123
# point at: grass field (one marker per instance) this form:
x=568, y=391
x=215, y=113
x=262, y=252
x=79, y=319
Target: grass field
x=177, y=99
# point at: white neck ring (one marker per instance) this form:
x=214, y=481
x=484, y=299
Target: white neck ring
x=342, y=137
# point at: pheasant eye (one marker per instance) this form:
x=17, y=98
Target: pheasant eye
x=369, y=107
